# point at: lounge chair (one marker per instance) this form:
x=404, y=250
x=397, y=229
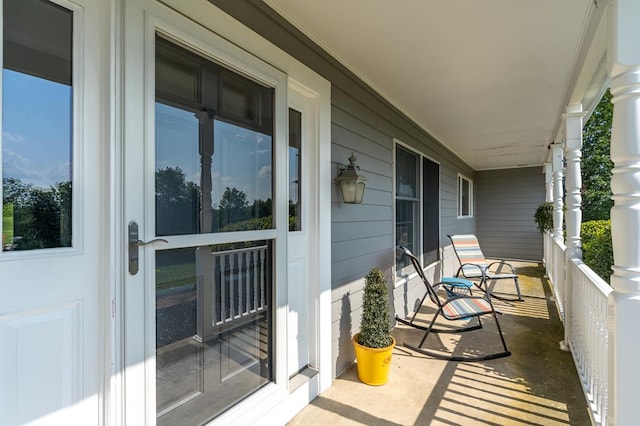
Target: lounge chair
x=474, y=266
x=455, y=307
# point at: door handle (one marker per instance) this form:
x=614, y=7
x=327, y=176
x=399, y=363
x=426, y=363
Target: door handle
x=140, y=243
x=134, y=244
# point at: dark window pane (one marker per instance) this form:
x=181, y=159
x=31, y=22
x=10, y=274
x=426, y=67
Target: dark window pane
x=431, y=211
x=213, y=329
x=464, y=208
x=214, y=153
x=37, y=125
x=407, y=204
x=406, y=174
x=177, y=172
x=242, y=182
x=295, y=172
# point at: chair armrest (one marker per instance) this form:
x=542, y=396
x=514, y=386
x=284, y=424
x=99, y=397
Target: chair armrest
x=482, y=269
x=502, y=263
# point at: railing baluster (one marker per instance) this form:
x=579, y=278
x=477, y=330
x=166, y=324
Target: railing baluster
x=239, y=283
x=589, y=333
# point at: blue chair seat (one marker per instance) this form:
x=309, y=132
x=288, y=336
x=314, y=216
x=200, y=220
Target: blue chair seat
x=456, y=286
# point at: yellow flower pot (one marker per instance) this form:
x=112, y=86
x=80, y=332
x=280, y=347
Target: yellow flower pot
x=373, y=363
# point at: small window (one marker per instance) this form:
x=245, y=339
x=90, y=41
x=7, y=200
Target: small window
x=37, y=126
x=417, y=216
x=465, y=197
x=407, y=204
x=295, y=172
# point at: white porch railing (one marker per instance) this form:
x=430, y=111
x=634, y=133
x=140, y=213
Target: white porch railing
x=589, y=335
x=556, y=272
x=232, y=287
x=588, y=338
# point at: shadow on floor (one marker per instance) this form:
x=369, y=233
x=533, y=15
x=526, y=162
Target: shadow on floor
x=537, y=385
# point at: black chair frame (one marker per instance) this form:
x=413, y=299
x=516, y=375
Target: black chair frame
x=478, y=306
x=485, y=274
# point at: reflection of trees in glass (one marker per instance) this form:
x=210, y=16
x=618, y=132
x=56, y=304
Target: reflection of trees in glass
x=294, y=216
x=177, y=203
x=233, y=206
x=236, y=214
x=178, y=207
x=41, y=216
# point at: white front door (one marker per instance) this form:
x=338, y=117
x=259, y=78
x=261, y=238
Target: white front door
x=206, y=236
x=53, y=210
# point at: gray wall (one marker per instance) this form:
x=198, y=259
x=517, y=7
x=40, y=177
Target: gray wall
x=365, y=124
x=506, y=201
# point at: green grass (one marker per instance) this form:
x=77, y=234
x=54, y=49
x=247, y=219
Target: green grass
x=175, y=275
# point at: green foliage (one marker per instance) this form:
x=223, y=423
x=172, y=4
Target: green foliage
x=41, y=217
x=596, y=162
x=251, y=224
x=544, y=217
x=597, y=250
x=7, y=225
x=374, y=325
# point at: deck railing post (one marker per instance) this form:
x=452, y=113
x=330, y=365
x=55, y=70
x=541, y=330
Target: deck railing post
x=573, y=182
x=623, y=55
x=558, y=191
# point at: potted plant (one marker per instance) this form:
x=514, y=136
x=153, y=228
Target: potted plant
x=374, y=343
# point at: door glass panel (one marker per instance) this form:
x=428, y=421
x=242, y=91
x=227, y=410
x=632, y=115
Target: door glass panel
x=213, y=329
x=213, y=173
x=177, y=171
x=36, y=125
x=295, y=172
x=214, y=147
x=242, y=182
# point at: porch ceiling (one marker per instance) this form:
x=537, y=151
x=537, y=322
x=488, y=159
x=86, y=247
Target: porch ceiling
x=489, y=79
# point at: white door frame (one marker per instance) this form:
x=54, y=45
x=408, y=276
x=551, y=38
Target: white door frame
x=143, y=16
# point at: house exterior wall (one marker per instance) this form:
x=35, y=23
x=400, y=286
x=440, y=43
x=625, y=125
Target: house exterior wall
x=506, y=201
x=362, y=236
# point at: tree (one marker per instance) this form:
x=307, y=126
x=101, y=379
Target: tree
x=177, y=203
x=596, y=195
x=233, y=206
x=41, y=217
x=596, y=162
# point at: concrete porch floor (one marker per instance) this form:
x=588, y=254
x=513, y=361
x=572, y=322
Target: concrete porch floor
x=537, y=385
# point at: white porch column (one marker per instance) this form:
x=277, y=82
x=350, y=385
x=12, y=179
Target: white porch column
x=573, y=183
x=573, y=179
x=558, y=189
x=548, y=182
x=624, y=302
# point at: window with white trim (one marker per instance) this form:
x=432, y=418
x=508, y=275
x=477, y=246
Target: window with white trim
x=417, y=215
x=465, y=197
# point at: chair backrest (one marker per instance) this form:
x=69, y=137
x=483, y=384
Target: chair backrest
x=418, y=267
x=468, y=251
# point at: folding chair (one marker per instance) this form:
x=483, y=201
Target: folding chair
x=473, y=264
x=456, y=307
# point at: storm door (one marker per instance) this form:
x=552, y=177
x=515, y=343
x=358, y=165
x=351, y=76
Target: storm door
x=204, y=247
x=213, y=161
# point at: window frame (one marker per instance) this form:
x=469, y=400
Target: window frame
x=76, y=144
x=460, y=201
x=419, y=222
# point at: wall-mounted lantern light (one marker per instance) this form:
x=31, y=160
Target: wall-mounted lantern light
x=351, y=183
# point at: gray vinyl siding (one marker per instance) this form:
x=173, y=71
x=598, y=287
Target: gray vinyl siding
x=506, y=201
x=365, y=124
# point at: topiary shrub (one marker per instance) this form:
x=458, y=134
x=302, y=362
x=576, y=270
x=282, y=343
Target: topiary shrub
x=544, y=217
x=597, y=249
x=375, y=330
